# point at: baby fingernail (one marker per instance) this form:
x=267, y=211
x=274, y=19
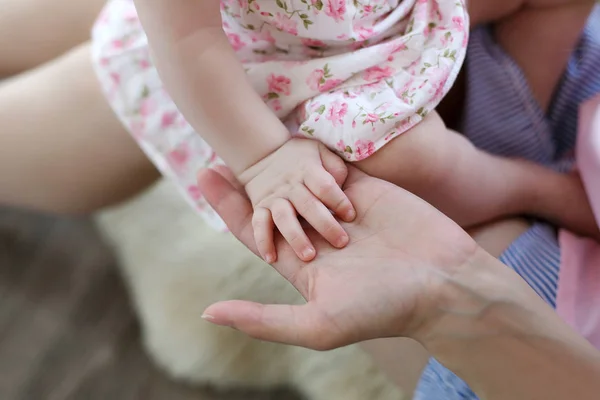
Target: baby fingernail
x=308, y=253
x=342, y=241
x=350, y=215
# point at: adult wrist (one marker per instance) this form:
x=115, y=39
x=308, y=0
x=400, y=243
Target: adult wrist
x=494, y=332
x=482, y=298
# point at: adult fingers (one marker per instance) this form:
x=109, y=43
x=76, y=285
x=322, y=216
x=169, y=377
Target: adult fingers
x=231, y=204
x=295, y=325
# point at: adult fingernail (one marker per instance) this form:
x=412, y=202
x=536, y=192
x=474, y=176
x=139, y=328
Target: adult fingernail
x=207, y=317
x=269, y=258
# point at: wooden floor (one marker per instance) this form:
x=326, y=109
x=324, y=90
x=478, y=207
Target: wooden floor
x=66, y=329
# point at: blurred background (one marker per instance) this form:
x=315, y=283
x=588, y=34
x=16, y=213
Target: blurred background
x=67, y=331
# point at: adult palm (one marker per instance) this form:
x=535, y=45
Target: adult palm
x=384, y=283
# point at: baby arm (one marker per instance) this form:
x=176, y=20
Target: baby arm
x=282, y=177
x=207, y=82
x=472, y=186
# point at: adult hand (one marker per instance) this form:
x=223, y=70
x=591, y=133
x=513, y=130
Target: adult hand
x=410, y=271
x=385, y=283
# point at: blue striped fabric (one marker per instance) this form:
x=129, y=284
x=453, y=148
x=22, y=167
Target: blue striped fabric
x=503, y=118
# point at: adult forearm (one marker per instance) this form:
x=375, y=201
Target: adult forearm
x=498, y=336
x=202, y=74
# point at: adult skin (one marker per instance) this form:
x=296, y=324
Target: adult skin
x=409, y=271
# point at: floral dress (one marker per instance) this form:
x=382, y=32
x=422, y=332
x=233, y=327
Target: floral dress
x=352, y=74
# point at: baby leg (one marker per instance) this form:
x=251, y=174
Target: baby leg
x=35, y=31
x=61, y=147
x=473, y=187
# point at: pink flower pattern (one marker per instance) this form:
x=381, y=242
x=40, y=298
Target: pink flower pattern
x=333, y=70
x=378, y=73
x=236, y=41
x=336, y=113
x=364, y=149
x=279, y=84
x=336, y=9
x=286, y=24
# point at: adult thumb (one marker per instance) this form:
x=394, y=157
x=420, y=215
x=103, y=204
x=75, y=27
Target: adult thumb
x=294, y=325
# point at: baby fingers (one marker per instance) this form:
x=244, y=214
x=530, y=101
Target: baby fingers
x=325, y=188
x=262, y=224
x=286, y=221
x=319, y=217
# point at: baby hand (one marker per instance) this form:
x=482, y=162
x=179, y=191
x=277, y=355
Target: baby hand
x=302, y=178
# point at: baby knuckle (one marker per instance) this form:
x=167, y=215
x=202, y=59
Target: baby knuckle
x=307, y=205
x=280, y=214
x=342, y=204
x=332, y=227
x=257, y=222
x=314, y=169
x=327, y=185
x=283, y=189
x=340, y=174
x=297, y=177
x=296, y=239
x=262, y=243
